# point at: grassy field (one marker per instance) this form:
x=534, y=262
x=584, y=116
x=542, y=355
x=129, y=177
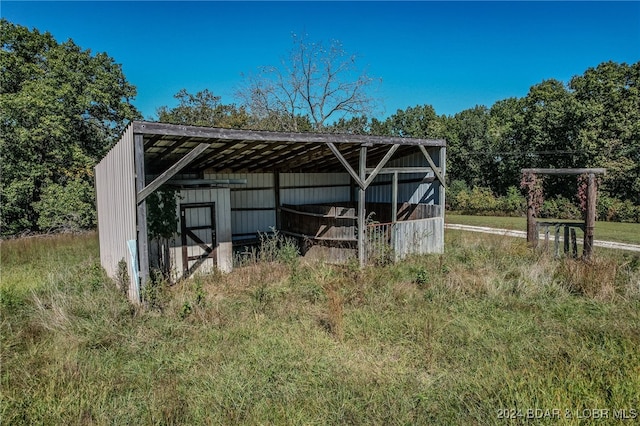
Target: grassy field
x=606, y=231
x=486, y=330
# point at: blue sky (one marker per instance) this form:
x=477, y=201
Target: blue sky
x=452, y=55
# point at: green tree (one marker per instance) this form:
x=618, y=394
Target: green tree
x=609, y=133
x=469, y=146
x=61, y=108
x=203, y=109
x=549, y=135
x=416, y=122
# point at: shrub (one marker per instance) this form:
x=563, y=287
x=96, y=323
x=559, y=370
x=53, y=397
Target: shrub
x=612, y=209
x=513, y=203
x=455, y=189
x=67, y=207
x=560, y=208
x=482, y=200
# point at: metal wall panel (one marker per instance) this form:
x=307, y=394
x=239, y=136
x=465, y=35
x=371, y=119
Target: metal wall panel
x=409, y=192
x=199, y=216
x=418, y=237
x=314, y=188
x=252, y=205
x=116, y=206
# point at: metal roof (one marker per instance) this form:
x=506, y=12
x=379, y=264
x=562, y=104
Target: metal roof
x=232, y=150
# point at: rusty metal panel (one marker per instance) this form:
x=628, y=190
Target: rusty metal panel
x=116, y=206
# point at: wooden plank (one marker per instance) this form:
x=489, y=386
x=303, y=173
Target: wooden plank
x=432, y=164
x=217, y=154
x=394, y=198
x=331, y=216
x=401, y=170
x=362, y=190
x=276, y=198
x=316, y=238
x=380, y=165
x=564, y=171
x=359, y=179
x=442, y=190
x=590, y=216
x=142, y=237
x=280, y=161
x=145, y=127
x=170, y=172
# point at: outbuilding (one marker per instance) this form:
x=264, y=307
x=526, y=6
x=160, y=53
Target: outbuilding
x=350, y=193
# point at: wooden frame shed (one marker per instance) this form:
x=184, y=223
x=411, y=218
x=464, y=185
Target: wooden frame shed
x=354, y=189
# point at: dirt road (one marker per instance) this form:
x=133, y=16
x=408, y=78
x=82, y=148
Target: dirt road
x=523, y=234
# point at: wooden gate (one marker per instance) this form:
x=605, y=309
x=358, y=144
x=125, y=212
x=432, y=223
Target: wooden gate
x=198, y=231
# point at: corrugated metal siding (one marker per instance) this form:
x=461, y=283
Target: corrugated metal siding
x=116, y=205
x=253, y=206
x=314, y=188
x=418, y=237
x=199, y=216
x=408, y=192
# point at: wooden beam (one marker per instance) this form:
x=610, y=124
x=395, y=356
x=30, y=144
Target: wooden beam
x=394, y=198
x=145, y=127
x=380, y=165
x=216, y=155
x=443, y=191
x=276, y=197
x=590, y=219
x=171, y=171
x=394, y=214
x=362, y=191
x=564, y=171
x=432, y=164
x=358, y=179
x=401, y=170
x=142, y=235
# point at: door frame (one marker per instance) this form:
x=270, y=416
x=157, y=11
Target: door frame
x=210, y=252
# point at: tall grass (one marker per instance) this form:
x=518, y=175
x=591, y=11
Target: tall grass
x=441, y=339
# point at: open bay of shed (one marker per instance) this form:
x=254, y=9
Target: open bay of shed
x=234, y=184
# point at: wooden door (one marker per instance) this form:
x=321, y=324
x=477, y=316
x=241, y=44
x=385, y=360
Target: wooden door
x=198, y=231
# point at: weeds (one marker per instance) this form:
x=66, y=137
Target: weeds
x=443, y=339
x=122, y=277
x=154, y=293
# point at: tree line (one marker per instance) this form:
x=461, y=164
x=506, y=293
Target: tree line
x=62, y=107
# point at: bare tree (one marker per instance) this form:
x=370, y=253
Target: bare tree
x=313, y=87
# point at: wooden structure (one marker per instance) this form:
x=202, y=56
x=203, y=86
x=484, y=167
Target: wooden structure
x=234, y=184
x=533, y=227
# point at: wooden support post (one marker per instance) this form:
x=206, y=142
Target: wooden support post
x=145, y=191
x=532, y=233
x=443, y=174
x=143, y=239
x=546, y=237
x=394, y=213
x=276, y=196
x=574, y=243
x=566, y=240
x=590, y=219
x=557, y=242
x=361, y=208
x=394, y=198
